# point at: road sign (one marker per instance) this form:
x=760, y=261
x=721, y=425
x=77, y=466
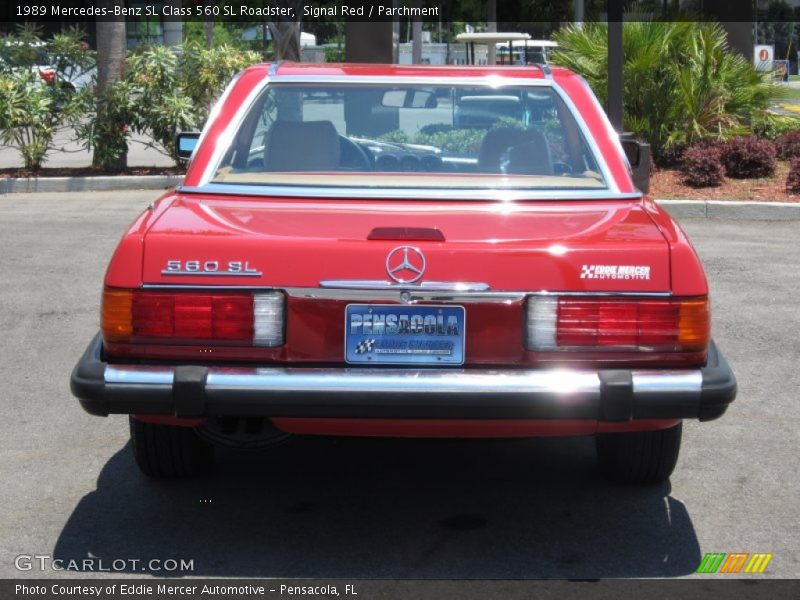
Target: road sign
x=763, y=57
x=782, y=70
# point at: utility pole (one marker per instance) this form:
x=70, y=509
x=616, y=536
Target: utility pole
x=416, y=42
x=615, y=74
x=579, y=13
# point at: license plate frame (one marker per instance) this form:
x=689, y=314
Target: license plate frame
x=437, y=347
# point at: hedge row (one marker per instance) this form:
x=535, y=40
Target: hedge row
x=706, y=164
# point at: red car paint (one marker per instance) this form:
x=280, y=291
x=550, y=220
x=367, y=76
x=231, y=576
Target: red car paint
x=511, y=246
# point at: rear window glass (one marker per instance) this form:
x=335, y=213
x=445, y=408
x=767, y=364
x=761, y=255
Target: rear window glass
x=410, y=136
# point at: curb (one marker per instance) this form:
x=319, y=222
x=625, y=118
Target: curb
x=691, y=209
x=23, y=185
x=732, y=210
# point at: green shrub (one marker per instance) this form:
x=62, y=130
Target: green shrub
x=33, y=108
x=787, y=145
x=397, y=136
x=334, y=54
x=459, y=140
x=701, y=166
x=747, y=157
x=681, y=81
x=173, y=89
x=770, y=125
x=107, y=131
x=793, y=178
x=204, y=73
x=160, y=107
x=164, y=91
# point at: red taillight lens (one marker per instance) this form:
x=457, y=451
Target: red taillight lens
x=681, y=325
x=189, y=317
x=233, y=317
x=226, y=317
x=153, y=315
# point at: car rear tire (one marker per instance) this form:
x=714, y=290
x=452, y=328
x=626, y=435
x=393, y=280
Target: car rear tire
x=639, y=456
x=169, y=451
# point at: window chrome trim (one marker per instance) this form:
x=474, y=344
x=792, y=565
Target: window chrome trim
x=491, y=81
x=612, y=133
x=609, y=179
x=545, y=69
x=434, y=79
x=226, y=137
x=369, y=193
x=215, y=110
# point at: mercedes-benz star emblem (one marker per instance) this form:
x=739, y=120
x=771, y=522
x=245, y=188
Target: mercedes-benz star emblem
x=405, y=264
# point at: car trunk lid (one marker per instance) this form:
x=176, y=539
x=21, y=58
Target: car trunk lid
x=592, y=245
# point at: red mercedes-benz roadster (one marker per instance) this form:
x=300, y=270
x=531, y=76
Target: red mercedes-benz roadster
x=379, y=250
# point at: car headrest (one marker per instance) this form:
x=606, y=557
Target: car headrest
x=497, y=142
x=302, y=146
x=527, y=151
x=531, y=157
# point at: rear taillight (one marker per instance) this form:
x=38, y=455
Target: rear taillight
x=603, y=323
x=190, y=317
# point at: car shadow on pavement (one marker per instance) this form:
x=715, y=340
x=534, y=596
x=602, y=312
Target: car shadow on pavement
x=388, y=508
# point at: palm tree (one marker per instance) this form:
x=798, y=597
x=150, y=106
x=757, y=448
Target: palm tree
x=111, y=46
x=682, y=81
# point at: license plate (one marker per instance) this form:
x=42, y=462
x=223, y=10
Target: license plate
x=402, y=334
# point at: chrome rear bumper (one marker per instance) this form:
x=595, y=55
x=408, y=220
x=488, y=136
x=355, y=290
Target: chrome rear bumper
x=605, y=395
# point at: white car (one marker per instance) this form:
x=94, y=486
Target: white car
x=40, y=60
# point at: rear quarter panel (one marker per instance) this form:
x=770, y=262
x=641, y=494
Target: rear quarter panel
x=686, y=270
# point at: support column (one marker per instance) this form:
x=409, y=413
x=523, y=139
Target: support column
x=173, y=30
x=369, y=42
x=615, y=74
x=737, y=20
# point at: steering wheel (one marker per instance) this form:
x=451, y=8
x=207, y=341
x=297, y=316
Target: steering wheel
x=353, y=156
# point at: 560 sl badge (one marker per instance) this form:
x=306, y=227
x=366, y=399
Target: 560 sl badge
x=234, y=268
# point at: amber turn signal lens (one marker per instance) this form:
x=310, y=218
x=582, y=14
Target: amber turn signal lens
x=116, y=320
x=694, y=325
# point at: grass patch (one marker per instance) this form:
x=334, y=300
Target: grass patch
x=790, y=95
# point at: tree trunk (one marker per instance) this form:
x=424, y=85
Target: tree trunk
x=110, y=53
x=416, y=42
x=111, y=47
x=286, y=40
x=209, y=28
x=286, y=32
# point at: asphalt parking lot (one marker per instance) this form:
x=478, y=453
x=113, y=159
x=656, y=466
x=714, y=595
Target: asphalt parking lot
x=385, y=508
